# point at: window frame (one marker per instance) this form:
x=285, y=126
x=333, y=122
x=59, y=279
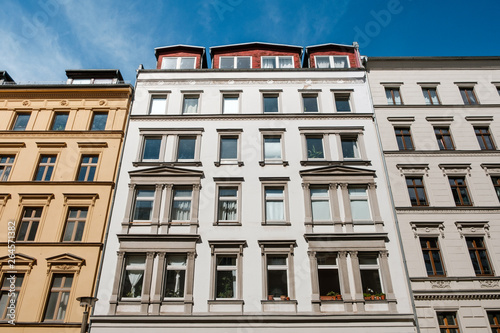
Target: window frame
x=6, y=291
x=441, y=138
x=329, y=198
x=158, y=96
x=235, y=62
x=126, y=268
x=182, y=198
x=232, y=95
x=229, y=134
x=485, y=137
x=192, y=96
x=88, y=167
x=456, y=189
x=274, y=183
x=54, y=120
x=7, y=166
x=49, y=165
x=343, y=94
x=161, y=149
x=494, y=320
x=93, y=120
x=496, y=185
x=427, y=91
x=324, y=151
x=228, y=185
x=479, y=252
x=331, y=59
x=195, y=151
x=273, y=134
x=311, y=95
x=393, y=99
x=431, y=251
x=355, y=147
x=60, y=290
x=373, y=267
x=468, y=95
x=276, y=59
x=415, y=188
x=16, y=126
x=360, y=198
x=336, y=267
x=77, y=221
x=401, y=137
x=168, y=268
x=178, y=63
x=447, y=326
x=274, y=95
x=151, y=199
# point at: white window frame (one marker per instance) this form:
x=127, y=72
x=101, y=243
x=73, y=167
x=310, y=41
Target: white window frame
x=228, y=185
x=310, y=95
x=175, y=268
x=229, y=133
x=324, y=146
x=233, y=96
x=273, y=133
x=160, y=153
x=274, y=183
x=180, y=198
x=364, y=198
x=327, y=198
x=331, y=58
x=344, y=94
x=371, y=267
x=150, y=106
x=276, y=61
x=178, y=63
x=356, y=147
x=271, y=94
x=191, y=96
x=195, y=152
x=132, y=268
x=235, y=61
x=149, y=198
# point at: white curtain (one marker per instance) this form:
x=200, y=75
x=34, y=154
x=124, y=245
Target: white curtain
x=274, y=211
x=268, y=62
x=272, y=148
x=360, y=210
x=190, y=105
x=134, y=277
x=230, y=105
x=227, y=210
x=181, y=211
x=340, y=62
x=322, y=62
x=169, y=63
x=286, y=62
x=321, y=210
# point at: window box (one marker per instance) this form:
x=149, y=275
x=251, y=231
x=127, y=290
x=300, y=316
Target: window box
x=374, y=297
x=331, y=296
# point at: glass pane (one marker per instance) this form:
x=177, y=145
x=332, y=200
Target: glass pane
x=176, y=260
x=186, y=148
x=229, y=148
x=21, y=122
x=63, y=303
x=21, y=235
x=243, y=62
x=228, y=192
x=319, y=192
x=103, y=81
x=187, y=63
x=99, y=122
x=158, y=105
x=151, y=149
x=276, y=261
x=370, y=281
x=190, y=105
x=226, y=261
x=226, y=284
x=388, y=95
x=285, y=62
x=368, y=260
x=69, y=231
x=274, y=192
x=226, y=62
x=272, y=148
x=277, y=283
x=270, y=104
x=275, y=211
x=143, y=210
x=437, y=263
x=174, y=286
x=350, y=148
x=33, y=229
x=81, y=81
x=340, y=62
x=397, y=97
x=181, y=210
x=59, y=123
x=434, y=96
x=228, y=210
x=427, y=97
x=315, y=148
x=328, y=281
x=310, y=103
x=230, y=105
x=326, y=259
x=169, y=63
x=342, y=104
x=268, y=62
x=360, y=210
x=132, y=284
x=357, y=192
x=79, y=231
x=51, y=306
x=321, y=210
x=322, y=62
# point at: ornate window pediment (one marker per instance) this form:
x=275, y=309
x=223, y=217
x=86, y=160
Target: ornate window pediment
x=427, y=228
x=21, y=262
x=165, y=172
x=337, y=171
x=413, y=169
x=473, y=228
x=65, y=262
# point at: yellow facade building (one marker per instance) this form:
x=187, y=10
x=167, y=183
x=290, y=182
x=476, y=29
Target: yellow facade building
x=60, y=146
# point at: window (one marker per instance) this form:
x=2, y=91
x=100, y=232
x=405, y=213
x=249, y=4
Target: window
x=328, y=274
x=190, y=104
x=274, y=203
x=228, y=149
x=272, y=148
x=479, y=256
x=181, y=204
x=59, y=122
x=432, y=256
x=443, y=137
x=235, y=62
x=158, y=105
x=277, y=62
x=81, y=81
x=393, y=96
x=88, y=168
x=496, y=185
x=144, y=199
x=494, y=319
x=430, y=96
x=99, y=121
x=151, y=148
x=58, y=297
x=225, y=285
x=459, y=191
x=133, y=276
x=468, y=96
x=21, y=121
x=403, y=137
x=6, y=162
x=350, y=148
x=370, y=274
x=186, y=148
x=320, y=203
x=75, y=224
x=448, y=322
x=270, y=103
x=360, y=209
x=484, y=138
x=9, y=293
x=45, y=167
x=277, y=275
x=227, y=204
x=175, y=279
x=230, y=104
x=342, y=102
x=332, y=61
x=314, y=145
x=310, y=103
x=29, y=224
x=416, y=191
x=178, y=63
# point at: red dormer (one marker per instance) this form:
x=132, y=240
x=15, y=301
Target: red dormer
x=180, y=57
x=332, y=56
x=256, y=55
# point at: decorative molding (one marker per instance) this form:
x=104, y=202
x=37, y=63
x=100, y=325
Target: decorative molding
x=51, y=144
x=455, y=168
x=489, y=283
x=423, y=228
x=479, y=118
x=405, y=169
x=440, y=284
x=225, y=81
x=491, y=168
x=439, y=119
x=473, y=227
x=461, y=296
x=92, y=144
x=447, y=210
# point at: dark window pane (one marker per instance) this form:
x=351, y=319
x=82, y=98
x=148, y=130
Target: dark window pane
x=59, y=123
x=277, y=283
x=174, y=286
x=310, y=104
x=151, y=149
x=328, y=281
x=315, y=147
x=186, y=148
x=342, y=104
x=21, y=122
x=270, y=104
x=99, y=121
x=370, y=281
x=225, y=284
x=229, y=148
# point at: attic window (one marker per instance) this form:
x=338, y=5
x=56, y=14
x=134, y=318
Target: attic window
x=178, y=63
x=235, y=62
x=277, y=62
x=332, y=61
x=93, y=81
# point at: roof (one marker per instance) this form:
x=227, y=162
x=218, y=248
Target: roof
x=5, y=76
x=267, y=45
x=94, y=73
x=158, y=50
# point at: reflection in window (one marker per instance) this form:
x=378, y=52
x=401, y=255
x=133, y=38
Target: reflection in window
x=58, y=297
x=228, y=204
x=175, y=276
x=133, y=276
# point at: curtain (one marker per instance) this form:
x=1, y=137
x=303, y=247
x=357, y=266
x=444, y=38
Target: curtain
x=274, y=211
x=228, y=210
x=134, y=277
x=268, y=63
x=190, y=105
x=340, y=62
x=322, y=62
x=286, y=62
x=181, y=210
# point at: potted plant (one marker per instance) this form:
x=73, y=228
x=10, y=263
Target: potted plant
x=330, y=296
x=226, y=290
x=270, y=297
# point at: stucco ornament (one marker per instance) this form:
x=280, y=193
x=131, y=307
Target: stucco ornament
x=440, y=284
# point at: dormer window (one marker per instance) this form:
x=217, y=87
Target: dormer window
x=93, y=81
x=178, y=63
x=332, y=61
x=235, y=62
x=277, y=62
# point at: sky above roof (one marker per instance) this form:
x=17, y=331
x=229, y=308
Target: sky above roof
x=40, y=39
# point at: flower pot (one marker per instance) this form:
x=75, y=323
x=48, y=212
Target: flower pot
x=327, y=298
x=338, y=297
x=283, y=297
x=270, y=297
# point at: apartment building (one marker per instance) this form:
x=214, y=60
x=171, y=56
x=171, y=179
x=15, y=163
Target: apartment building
x=440, y=130
x=252, y=197
x=59, y=150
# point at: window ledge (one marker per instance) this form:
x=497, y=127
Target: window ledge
x=158, y=163
x=219, y=163
x=227, y=224
x=336, y=163
x=226, y=301
x=286, y=223
x=291, y=301
x=263, y=163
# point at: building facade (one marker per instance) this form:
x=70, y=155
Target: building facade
x=439, y=126
x=59, y=150
x=252, y=196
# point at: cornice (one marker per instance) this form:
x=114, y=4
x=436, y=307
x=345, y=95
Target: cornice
x=51, y=183
x=448, y=210
x=28, y=135
x=269, y=82
x=64, y=92
x=440, y=106
x=274, y=116
x=462, y=296
x=60, y=245
x=442, y=152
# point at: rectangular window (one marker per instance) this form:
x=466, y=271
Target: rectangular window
x=484, y=138
x=151, y=148
x=275, y=203
x=496, y=185
x=75, y=224
x=403, y=138
x=175, y=279
x=45, y=167
x=21, y=121
x=360, y=209
x=320, y=203
x=494, y=319
x=448, y=322
x=190, y=104
x=133, y=276
x=6, y=162
x=178, y=63
x=350, y=148
x=228, y=148
x=277, y=62
x=468, y=96
x=29, y=224
x=9, y=293
x=144, y=200
x=230, y=104
x=479, y=256
x=432, y=256
x=81, y=81
x=443, y=137
x=181, y=204
x=225, y=285
x=235, y=62
x=58, y=297
x=393, y=96
x=328, y=274
x=186, y=148
x=314, y=147
x=272, y=148
x=99, y=121
x=332, y=61
x=227, y=204
x=342, y=102
x=459, y=191
x=416, y=191
x=370, y=274
x=59, y=122
x=430, y=96
x=88, y=168
x=310, y=103
x=158, y=105
x=277, y=275
x=270, y=103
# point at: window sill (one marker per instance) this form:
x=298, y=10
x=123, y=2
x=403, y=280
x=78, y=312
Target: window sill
x=219, y=163
x=335, y=163
x=263, y=163
x=226, y=301
x=158, y=163
x=281, y=223
x=220, y=223
x=277, y=300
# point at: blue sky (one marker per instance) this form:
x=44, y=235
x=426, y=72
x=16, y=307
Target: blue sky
x=39, y=39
